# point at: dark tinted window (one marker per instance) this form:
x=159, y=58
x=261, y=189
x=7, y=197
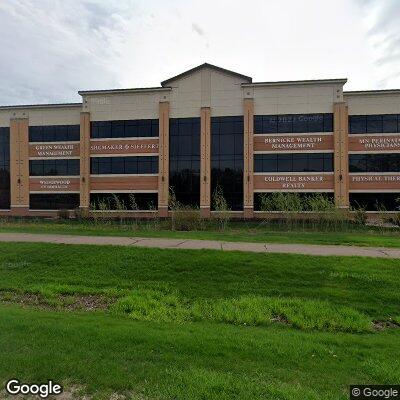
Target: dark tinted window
x=124, y=165
x=227, y=159
x=293, y=123
x=4, y=168
x=54, y=133
x=375, y=201
x=131, y=201
x=120, y=129
x=294, y=162
x=54, y=201
x=60, y=167
x=374, y=162
x=184, y=159
x=385, y=123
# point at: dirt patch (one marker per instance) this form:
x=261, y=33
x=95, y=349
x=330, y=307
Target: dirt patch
x=59, y=302
x=381, y=325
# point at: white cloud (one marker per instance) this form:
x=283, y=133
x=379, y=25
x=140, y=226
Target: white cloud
x=53, y=48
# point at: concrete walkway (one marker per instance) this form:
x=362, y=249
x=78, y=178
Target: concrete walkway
x=320, y=250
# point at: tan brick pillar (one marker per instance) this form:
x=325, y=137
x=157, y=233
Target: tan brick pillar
x=85, y=162
x=163, y=159
x=341, y=154
x=205, y=162
x=248, y=153
x=19, y=166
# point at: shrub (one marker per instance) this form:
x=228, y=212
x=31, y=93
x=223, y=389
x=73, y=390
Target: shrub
x=63, y=214
x=184, y=217
x=360, y=215
x=395, y=219
x=222, y=211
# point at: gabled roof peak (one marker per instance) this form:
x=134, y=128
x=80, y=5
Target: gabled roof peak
x=248, y=79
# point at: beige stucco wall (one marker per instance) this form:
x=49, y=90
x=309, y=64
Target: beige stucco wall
x=296, y=99
x=39, y=116
x=4, y=118
x=124, y=106
x=367, y=104
x=206, y=88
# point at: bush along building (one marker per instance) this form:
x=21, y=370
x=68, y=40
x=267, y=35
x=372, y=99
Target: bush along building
x=205, y=128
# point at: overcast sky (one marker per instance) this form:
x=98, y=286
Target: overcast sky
x=50, y=49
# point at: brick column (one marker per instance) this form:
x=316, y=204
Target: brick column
x=205, y=162
x=341, y=155
x=19, y=166
x=85, y=162
x=248, y=153
x=163, y=160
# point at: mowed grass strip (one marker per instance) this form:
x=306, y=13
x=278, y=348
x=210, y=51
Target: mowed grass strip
x=237, y=231
x=150, y=305
x=367, y=285
x=190, y=324
x=105, y=354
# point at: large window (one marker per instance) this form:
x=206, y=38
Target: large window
x=124, y=165
x=60, y=167
x=184, y=159
x=54, y=133
x=54, y=201
x=376, y=201
x=293, y=123
x=374, y=162
x=381, y=123
x=293, y=162
x=128, y=201
x=121, y=129
x=227, y=159
x=4, y=168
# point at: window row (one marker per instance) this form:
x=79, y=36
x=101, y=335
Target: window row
x=184, y=160
x=4, y=168
x=375, y=201
x=54, y=133
x=386, y=123
x=56, y=201
x=121, y=129
x=124, y=201
x=60, y=167
x=124, y=165
x=227, y=159
x=374, y=162
x=293, y=123
x=294, y=162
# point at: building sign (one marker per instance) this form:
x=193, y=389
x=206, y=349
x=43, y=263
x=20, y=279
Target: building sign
x=276, y=143
x=54, y=150
x=272, y=182
x=374, y=182
x=54, y=184
x=130, y=146
x=374, y=143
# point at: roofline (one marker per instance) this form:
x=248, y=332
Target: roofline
x=55, y=105
x=129, y=90
x=204, y=65
x=304, y=82
x=367, y=92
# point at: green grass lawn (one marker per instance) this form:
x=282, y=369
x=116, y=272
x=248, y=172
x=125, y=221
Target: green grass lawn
x=236, y=231
x=196, y=324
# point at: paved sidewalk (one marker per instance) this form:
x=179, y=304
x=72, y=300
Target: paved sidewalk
x=320, y=250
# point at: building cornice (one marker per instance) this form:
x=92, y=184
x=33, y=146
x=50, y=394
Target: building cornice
x=340, y=81
x=122, y=91
x=36, y=106
x=371, y=92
